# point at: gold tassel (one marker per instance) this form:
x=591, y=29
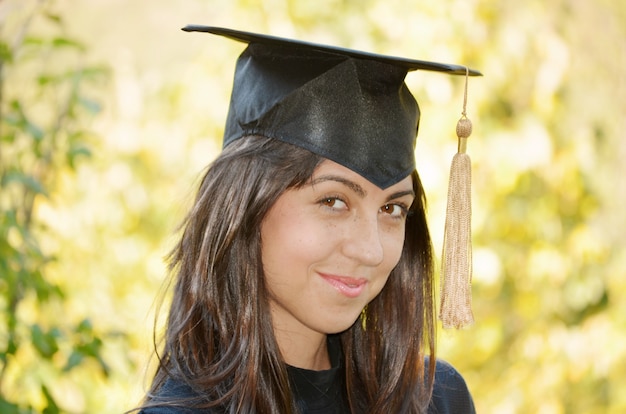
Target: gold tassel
x=456, y=271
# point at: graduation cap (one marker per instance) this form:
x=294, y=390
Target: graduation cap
x=349, y=106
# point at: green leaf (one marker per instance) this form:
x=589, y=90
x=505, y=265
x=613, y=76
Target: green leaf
x=46, y=79
x=90, y=105
x=27, y=181
x=94, y=72
x=55, y=18
x=52, y=407
x=105, y=367
x=44, y=289
x=85, y=326
x=59, y=42
x=7, y=407
x=45, y=343
x=75, y=152
x=11, y=349
x=33, y=130
x=6, y=54
x=75, y=359
x=92, y=348
x=33, y=41
x=9, y=137
x=19, y=120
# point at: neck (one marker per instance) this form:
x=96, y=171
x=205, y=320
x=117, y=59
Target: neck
x=303, y=351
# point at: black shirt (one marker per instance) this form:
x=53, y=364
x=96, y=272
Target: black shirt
x=322, y=392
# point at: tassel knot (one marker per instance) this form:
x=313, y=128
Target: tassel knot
x=464, y=127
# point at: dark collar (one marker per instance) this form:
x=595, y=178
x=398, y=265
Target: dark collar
x=321, y=391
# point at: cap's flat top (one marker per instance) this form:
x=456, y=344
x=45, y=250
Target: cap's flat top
x=408, y=64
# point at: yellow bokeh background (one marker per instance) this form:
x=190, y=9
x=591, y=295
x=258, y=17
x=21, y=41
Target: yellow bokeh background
x=549, y=181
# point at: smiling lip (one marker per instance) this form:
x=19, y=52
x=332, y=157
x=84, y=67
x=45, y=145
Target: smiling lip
x=347, y=286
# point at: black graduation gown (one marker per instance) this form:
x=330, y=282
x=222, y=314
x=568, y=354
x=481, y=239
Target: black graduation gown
x=321, y=392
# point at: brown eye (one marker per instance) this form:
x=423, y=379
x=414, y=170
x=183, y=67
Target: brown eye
x=329, y=202
x=394, y=210
x=388, y=208
x=333, y=203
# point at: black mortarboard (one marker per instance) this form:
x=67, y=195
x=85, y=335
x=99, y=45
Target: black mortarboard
x=353, y=108
x=348, y=106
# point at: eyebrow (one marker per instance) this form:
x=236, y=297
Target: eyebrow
x=350, y=184
x=357, y=188
x=400, y=194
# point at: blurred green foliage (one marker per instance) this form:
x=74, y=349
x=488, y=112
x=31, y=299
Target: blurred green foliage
x=97, y=166
x=43, y=136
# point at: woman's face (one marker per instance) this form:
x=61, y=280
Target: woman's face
x=328, y=248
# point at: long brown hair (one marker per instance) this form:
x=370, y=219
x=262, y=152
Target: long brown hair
x=219, y=339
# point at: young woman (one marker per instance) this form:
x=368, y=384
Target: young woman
x=303, y=277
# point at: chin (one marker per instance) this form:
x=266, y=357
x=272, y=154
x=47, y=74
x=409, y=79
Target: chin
x=337, y=326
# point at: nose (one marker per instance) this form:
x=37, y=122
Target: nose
x=363, y=241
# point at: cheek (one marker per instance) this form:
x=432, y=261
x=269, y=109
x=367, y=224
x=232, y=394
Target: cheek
x=394, y=243
x=292, y=240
